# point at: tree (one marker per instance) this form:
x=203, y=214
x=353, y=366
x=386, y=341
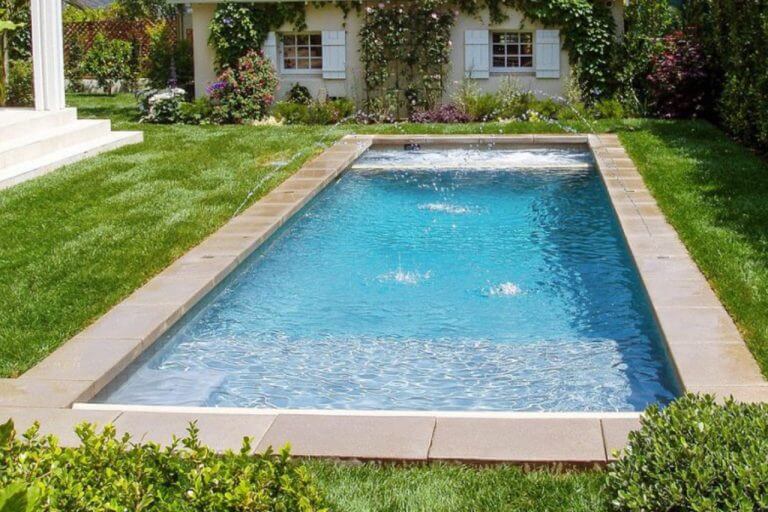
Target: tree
x=146, y=9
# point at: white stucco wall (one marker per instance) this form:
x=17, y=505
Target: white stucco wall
x=329, y=17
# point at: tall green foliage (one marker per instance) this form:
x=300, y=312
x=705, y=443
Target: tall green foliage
x=646, y=24
x=735, y=34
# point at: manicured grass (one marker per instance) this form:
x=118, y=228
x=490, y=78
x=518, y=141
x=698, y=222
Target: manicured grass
x=455, y=488
x=715, y=193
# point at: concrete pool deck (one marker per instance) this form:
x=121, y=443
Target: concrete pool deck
x=704, y=345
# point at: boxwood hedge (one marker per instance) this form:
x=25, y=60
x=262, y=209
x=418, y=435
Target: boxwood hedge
x=110, y=473
x=695, y=455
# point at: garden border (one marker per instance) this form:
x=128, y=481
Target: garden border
x=704, y=345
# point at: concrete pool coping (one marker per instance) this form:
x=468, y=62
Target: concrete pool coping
x=704, y=345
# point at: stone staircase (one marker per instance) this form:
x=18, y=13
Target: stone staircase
x=34, y=143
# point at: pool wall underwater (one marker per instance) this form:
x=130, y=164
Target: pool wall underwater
x=704, y=346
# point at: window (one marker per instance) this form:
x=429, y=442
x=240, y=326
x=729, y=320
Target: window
x=302, y=53
x=511, y=51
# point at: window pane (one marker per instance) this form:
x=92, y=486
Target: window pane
x=316, y=51
x=498, y=49
x=512, y=62
x=497, y=37
x=302, y=63
x=498, y=62
x=526, y=37
x=289, y=63
x=302, y=39
x=526, y=62
x=317, y=63
x=526, y=49
x=290, y=51
x=302, y=51
x=315, y=39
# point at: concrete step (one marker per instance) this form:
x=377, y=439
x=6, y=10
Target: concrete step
x=41, y=142
x=21, y=122
x=45, y=163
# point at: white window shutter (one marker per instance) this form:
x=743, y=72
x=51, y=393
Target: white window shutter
x=547, y=54
x=477, y=54
x=334, y=54
x=270, y=48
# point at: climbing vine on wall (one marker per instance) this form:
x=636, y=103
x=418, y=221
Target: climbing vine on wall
x=587, y=27
x=405, y=45
x=237, y=28
x=405, y=49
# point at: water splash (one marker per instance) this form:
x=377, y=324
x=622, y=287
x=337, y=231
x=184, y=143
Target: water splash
x=445, y=208
x=405, y=276
x=507, y=289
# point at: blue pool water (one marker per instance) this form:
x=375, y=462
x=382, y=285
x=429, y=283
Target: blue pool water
x=428, y=280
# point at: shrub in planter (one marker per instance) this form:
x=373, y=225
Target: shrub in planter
x=299, y=94
x=448, y=113
x=109, y=62
x=678, y=82
x=246, y=92
x=111, y=473
x=695, y=455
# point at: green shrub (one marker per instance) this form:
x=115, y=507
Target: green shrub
x=608, y=109
x=111, y=473
x=299, y=94
x=20, y=91
x=320, y=113
x=196, y=112
x=695, y=455
x=165, y=53
x=109, y=62
x=244, y=93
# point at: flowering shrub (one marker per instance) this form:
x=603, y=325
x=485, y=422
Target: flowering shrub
x=109, y=472
x=449, y=113
x=679, y=78
x=161, y=106
x=246, y=92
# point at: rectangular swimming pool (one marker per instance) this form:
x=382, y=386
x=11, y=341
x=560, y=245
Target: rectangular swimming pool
x=436, y=279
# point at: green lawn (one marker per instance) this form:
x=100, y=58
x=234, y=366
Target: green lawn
x=456, y=488
x=79, y=240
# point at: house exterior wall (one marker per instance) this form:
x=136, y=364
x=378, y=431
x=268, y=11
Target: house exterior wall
x=331, y=18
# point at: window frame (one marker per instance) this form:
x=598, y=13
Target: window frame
x=300, y=71
x=514, y=69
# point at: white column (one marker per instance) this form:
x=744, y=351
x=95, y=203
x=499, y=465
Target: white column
x=203, y=54
x=48, y=54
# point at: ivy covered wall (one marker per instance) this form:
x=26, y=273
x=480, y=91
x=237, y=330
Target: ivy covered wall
x=410, y=48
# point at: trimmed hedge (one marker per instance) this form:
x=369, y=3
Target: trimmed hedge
x=695, y=455
x=108, y=472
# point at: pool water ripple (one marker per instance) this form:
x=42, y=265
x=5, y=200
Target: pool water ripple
x=508, y=288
